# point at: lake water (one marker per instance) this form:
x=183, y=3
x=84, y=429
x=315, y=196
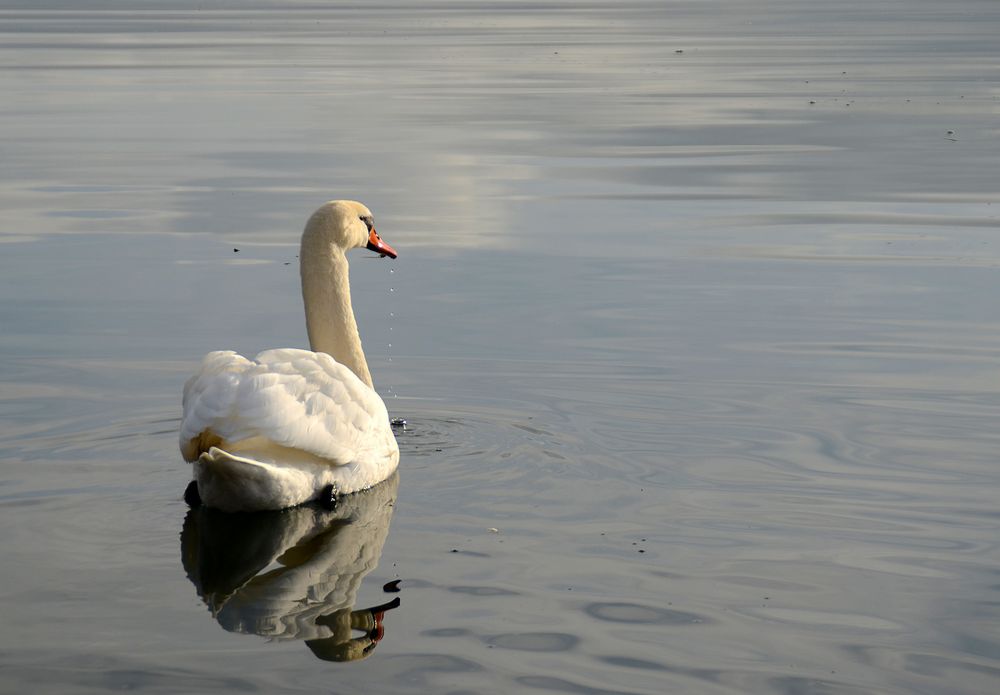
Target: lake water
x=694, y=324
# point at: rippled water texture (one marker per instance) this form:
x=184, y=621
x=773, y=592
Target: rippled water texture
x=694, y=326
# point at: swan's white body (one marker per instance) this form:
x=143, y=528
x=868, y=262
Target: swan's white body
x=272, y=432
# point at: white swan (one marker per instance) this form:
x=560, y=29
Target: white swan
x=290, y=426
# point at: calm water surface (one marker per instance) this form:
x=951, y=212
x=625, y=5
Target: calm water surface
x=694, y=324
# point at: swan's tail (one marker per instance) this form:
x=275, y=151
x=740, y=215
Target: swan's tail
x=242, y=484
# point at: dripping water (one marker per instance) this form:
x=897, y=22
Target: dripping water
x=397, y=423
x=392, y=316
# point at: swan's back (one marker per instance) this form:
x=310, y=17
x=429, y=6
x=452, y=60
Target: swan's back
x=287, y=401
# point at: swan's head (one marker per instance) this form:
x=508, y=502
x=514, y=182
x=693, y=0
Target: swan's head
x=346, y=224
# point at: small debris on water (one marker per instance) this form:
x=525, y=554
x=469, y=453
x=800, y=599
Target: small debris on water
x=493, y=530
x=398, y=422
x=392, y=587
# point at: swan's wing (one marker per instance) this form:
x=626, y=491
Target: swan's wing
x=294, y=398
x=209, y=399
x=307, y=400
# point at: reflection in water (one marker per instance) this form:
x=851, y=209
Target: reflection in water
x=294, y=574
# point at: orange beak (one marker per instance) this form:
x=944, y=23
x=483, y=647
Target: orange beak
x=376, y=244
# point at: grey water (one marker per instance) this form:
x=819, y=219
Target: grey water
x=694, y=325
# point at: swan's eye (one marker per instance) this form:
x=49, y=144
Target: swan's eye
x=368, y=221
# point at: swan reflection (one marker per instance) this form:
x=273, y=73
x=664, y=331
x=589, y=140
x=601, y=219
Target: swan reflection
x=294, y=574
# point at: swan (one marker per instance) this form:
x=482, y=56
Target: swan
x=291, y=426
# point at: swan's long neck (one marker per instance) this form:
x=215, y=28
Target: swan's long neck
x=326, y=293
